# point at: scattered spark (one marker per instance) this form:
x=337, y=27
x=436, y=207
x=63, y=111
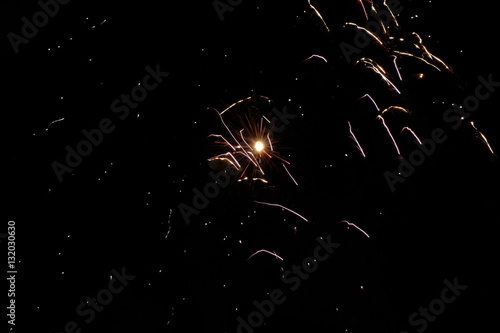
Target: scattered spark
x=483, y=138
x=413, y=133
x=486, y=142
x=293, y=179
x=364, y=9
x=371, y=99
x=356, y=140
x=169, y=226
x=371, y=64
x=367, y=32
x=355, y=226
x=53, y=122
x=394, y=109
x=268, y=252
x=316, y=56
x=319, y=15
x=396, y=66
x=270, y=143
x=390, y=134
x=283, y=207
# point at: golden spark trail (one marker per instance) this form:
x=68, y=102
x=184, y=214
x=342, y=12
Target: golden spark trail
x=319, y=15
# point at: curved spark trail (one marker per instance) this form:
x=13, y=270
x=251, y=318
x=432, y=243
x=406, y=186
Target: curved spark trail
x=371, y=99
x=293, y=179
x=316, y=56
x=53, y=122
x=224, y=123
x=369, y=63
x=356, y=140
x=483, y=138
x=413, y=133
x=355, y=226
x=364, y=9
x=223, y=138
x=397, y=68
x=367, y=32
x=390, y=134
x=283, y=207
x=235, y=164
x=319, y=15
x=270, y=143
x=268, y=252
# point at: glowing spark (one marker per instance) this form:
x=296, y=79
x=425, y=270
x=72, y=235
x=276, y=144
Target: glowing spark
x=268, y=252
x=283, y=207
x=413, y=133
x=319, y=15
x=378, y=70
x=220, y=136
x=390, y=134
x=284, y=166
x=366, y=31
x=224, y=123
x=259, y=146
x=392, y=14
x=373, y=101
x=397, y=69
x=242, y=138
x=419, y=58
x=236, y=164
x=250, y=147
x=270, y=143
x=53, y=122
x=356, y=140
x=234, y=104
x=316, y=56
x=355, y=226
x=364, y=9
x=378, y=18
x=485, y=140
x=441, y=62
x=169, y=226
x=393, y=109
x=254, y=179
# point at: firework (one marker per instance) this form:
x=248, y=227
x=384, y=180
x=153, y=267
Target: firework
x=249, y=140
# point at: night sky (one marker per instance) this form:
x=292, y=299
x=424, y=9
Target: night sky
x=352, y=121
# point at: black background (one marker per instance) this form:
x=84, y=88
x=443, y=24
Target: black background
x=118, y=206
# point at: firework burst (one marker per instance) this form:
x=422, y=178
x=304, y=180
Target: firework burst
x=249, y=143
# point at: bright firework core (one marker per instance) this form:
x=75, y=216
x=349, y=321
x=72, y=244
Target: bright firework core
x=259, y=146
